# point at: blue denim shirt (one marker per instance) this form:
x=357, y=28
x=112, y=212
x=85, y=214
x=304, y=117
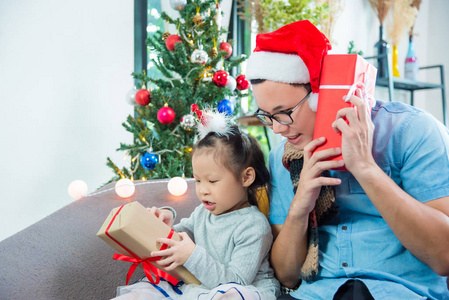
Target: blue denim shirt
x=412, y=148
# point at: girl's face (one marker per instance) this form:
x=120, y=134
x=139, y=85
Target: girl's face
x=216, y=186
x=273, y=97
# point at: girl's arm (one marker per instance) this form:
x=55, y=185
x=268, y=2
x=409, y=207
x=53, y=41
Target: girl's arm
x=251, y=240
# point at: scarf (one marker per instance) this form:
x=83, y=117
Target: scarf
x=325, y=208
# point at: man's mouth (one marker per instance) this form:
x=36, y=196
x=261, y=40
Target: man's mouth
x=293, y=138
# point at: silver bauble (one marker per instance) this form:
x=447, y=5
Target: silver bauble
x=188, y=122
x=131, y=96
x=232, y=84
x=178, y=4
x=199, y=56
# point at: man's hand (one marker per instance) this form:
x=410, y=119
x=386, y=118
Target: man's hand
x=357, y=129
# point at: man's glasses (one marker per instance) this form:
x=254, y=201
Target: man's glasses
x=282, y=117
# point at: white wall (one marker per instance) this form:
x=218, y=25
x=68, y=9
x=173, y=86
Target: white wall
x=64, y=71
x=359, y=23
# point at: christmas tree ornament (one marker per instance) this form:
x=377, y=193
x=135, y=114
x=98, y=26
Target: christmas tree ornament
x=178, y=4
x=131, y=96
x=177, y=186
x=149, y=160
x=166, y=115
x=220, y=78
x=199, y=56
x=213, y=52
x=197, y=19
x=188, y=122
x=226, y=107
x=165, y=35
x=77, y=189
x=171, y=41
x=124, y=188
x=242, y=83
x=232, y=84
x=143, y=97
x=226, y=47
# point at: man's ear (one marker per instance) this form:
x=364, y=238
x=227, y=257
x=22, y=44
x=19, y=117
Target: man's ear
x=248, y=176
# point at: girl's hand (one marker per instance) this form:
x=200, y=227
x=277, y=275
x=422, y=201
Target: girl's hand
x=357, y=135
x=177, y=253
x=164, y=215
x=310, y=180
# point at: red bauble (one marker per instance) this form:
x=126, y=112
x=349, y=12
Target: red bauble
x=220, y=78
x=226, y=47
x=242, y=83
x=171, y=41
x=143, y=97
x=166, y=115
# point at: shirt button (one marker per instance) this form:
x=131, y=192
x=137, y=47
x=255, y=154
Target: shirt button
x=344, y=228
x=344, y=265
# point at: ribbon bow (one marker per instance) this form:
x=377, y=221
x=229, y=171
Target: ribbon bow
x=364, y=86
x=148, y=268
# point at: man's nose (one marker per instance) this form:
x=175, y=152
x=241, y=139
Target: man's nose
x=278, y=127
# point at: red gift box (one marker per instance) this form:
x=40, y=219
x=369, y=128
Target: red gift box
x=341, y=74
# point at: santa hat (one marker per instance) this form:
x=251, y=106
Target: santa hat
x=292, y=54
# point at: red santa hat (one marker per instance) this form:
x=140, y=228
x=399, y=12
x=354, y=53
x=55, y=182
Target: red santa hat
x=292, y=54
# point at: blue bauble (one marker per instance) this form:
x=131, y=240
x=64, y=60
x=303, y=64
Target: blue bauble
x=225, y=106
x=149, y=160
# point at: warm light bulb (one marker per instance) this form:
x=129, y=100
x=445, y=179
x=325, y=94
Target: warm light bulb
x=77, y=189
x=125, y=188
x=177, y=186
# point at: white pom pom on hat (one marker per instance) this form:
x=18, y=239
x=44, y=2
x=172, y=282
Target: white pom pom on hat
x=292, y=54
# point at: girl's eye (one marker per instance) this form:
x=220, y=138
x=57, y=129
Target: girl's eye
x=213, y=181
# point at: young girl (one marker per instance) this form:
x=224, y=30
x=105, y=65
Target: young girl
x=226, y=240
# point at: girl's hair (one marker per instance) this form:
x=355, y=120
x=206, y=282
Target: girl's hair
x=307, y=86
x=238, y=151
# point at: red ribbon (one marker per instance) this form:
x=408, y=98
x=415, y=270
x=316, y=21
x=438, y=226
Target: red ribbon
x=148, y=268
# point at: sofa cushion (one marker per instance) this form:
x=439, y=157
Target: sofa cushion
x=60, y=257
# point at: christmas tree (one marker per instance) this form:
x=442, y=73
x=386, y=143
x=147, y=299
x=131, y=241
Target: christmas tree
x=195, y=64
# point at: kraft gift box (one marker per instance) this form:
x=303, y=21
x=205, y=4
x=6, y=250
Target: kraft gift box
x=340, y=74
x=135, y=230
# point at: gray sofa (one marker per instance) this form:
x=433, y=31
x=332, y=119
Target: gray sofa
x=60, y=257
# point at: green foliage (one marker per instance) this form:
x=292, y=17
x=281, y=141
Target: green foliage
x=352, y=50
x=279, y=13
x=177, y=83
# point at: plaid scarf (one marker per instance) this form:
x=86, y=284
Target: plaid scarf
x=325, y=208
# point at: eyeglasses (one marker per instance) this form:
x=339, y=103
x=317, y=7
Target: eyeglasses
x=282, y=117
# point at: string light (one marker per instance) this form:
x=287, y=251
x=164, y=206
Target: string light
x=124, y=188
x=177, y=186
x=77, y=189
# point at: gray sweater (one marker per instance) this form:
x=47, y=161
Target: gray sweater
x=232, y=247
